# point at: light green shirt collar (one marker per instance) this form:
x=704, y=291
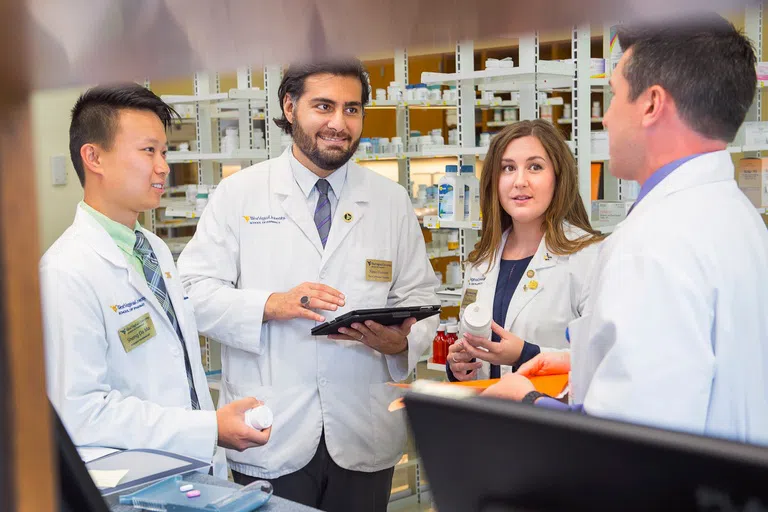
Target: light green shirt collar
x=124, y=237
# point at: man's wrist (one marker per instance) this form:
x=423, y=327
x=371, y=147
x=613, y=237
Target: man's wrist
x=268, y=311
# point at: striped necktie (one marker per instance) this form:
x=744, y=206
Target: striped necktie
x=323, y=211
x=154, y=277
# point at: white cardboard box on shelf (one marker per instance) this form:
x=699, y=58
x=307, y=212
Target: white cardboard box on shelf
x=596, y=67
x=753, y=180
x=610, y=212
x=599, y=143
x=756, y=133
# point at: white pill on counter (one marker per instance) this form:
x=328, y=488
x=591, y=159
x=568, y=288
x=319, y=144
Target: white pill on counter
x=186, y=487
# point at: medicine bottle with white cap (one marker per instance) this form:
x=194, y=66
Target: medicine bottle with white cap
x=259, y=418
x=476, y=321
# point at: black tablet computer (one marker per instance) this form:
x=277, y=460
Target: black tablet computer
x=383, y=316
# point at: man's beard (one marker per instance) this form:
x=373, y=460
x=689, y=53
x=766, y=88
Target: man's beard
x=328, y=159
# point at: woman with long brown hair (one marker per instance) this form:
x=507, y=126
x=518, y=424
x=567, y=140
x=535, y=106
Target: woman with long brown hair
x=536, y=253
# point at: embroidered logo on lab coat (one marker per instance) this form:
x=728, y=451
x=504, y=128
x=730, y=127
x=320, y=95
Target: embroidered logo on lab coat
x=476, y=281
x=259, y=220
x=122, y=309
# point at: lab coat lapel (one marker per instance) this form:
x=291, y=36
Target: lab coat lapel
x=103, y=244
x=98, y=238
x=350, y=210
x=293, y=201
x=531, y=283
x=139, y=282
x=487, y=290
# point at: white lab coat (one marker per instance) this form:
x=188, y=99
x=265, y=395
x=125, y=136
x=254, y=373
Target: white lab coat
x=257, y=236
x=678, y=331
x=538, y=314
x=106, y=396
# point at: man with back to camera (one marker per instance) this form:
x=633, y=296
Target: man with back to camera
x=679, y=321
x=310, y=227
x=122, y=350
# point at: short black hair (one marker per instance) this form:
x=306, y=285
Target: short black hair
x=297, y=74
x=705, y=64
x=95, y=116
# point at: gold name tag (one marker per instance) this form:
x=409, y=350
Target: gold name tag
x=137, y=332
x=470, y=297
x=378, y=270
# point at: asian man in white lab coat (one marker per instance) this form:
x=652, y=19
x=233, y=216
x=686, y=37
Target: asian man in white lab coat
x=311, y=227
x=122, y=350
x=677, y=331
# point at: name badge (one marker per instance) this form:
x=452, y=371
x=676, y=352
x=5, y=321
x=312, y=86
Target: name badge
x=378, y=270
x=470, y=297
x=137, y=332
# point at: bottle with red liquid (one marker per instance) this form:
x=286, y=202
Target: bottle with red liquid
x=451, y=337
x=438, y=352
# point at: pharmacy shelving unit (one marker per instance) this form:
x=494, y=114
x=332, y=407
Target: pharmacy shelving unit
x=243, y=104
x=753, y=29
x=528, y=79
x=617, y=189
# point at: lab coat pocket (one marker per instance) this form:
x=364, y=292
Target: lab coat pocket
x=295, y=430
x=388, y=427
x=258, y=456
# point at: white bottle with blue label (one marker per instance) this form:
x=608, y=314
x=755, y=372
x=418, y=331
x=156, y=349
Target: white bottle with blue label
x=451, y=195
x=471, y=186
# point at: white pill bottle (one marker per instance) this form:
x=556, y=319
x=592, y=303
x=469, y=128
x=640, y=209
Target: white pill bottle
x=476, y=321
x=259, y=418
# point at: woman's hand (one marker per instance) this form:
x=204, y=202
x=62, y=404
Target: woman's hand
x=506, y=352
x=460, y=362
x=547, y=363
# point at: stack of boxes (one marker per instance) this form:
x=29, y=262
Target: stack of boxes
x=753, y=181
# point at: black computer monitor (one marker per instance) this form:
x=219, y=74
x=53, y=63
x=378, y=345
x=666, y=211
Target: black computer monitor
x=483, y=454
x=77, y=492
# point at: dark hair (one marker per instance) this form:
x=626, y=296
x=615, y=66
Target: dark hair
x=297, y=74
x=95, y=116
x=705, y=64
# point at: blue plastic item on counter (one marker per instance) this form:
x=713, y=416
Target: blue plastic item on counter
x=165, y=496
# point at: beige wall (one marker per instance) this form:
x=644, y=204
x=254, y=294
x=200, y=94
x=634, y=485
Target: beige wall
x=50, y=131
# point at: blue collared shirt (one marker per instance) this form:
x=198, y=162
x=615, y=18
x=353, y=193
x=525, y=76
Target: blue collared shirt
x=659, y=175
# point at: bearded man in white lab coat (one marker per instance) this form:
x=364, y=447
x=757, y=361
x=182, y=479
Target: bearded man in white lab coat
x=678, y=328
x=297, y=240
x=121, y=345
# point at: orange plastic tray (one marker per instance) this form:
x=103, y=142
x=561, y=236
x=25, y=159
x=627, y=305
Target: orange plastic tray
x=551, y=385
